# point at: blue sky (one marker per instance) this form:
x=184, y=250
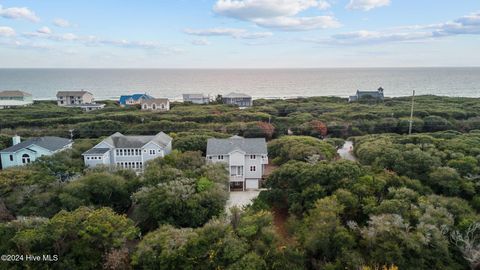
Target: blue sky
x=239, y=33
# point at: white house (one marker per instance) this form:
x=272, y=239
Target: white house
x=128, y=152
x=72, y=98
x=156, y=104
x=196, y=98
x=15, y=98
x=239, y=99
x=246, y=159
x=78, y=99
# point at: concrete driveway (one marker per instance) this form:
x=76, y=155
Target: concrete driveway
x=241, y=198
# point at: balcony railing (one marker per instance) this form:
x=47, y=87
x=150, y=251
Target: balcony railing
x=236, y=178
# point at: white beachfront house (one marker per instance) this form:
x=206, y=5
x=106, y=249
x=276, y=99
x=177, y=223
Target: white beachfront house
x=155, y=104
x=78, y=99
x=246, y=160
x=196, y=98
x=128, y=152
x=239, y=99
x=15, y=98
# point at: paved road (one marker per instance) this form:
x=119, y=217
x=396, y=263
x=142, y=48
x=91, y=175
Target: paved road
x=346, y=151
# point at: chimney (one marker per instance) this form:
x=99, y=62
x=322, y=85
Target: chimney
x=16, y=140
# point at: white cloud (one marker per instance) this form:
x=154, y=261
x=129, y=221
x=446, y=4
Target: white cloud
x=367, y=5
x=18, y=13
x=201, y=42
x=278, y=14
x=466, y=25
x=44, y=30
x=369, y=37
x=231, y=32
x=6, y=31
x=299, y=23
x=251, y=9
x=323, y=5
x=93, y=41
x=61, y=23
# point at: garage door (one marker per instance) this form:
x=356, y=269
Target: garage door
x=251, y=184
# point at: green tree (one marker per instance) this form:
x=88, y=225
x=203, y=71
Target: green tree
x=98, y=189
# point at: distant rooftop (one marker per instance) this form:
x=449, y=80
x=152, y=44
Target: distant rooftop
x=118, y=140
x=247, y=145
x=14, y=93
x=155, y=100
x=193, y=96
x=236, y=95
x=50, y=143
x=73, y=93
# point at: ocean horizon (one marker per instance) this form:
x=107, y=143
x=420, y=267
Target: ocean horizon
x=43, y=83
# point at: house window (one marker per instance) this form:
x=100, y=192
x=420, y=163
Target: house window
x=163, y=106
x=154, y=106
x=210, y=157
x=88, y=157
x=253, y=168
x=25, y=159
x=152, y=152
x=253, y=157
x=220, y=157
x=11, y=157
x=145, y=106
x=61, y=102
x=117, y=152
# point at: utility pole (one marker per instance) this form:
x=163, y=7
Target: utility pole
x=411, y=114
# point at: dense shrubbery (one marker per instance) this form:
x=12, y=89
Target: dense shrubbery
x=249, y=241
x=82, y=239
x=345, y=215
x=299, y=148
x=447, y=162
x=314, y=116
x=399, y=206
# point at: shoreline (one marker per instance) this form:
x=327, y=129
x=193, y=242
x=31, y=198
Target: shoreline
x=180, y=99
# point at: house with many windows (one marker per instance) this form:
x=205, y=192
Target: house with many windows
x=246, y=159
x=196, y=98
x=131, y=100
x=15, y=98
x=238, y=99
x=128, y=152
x=368, y=95
x=23, y=153
x=72, y=98
x=78, y=99
x=155, y=104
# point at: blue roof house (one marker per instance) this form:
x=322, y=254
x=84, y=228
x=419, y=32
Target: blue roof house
x=128, y=100
x=23, y=153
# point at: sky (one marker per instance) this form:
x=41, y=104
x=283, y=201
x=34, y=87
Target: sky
x=239, y=33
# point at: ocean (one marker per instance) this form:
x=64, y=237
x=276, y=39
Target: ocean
x=260, y=83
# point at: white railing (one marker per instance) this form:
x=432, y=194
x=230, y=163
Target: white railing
x=236, y=178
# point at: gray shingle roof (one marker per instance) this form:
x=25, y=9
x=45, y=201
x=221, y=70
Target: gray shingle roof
x=194, y=96
x=119, y=140
x=73, y=93
x=157, y=101
x=96, y=151
x=225, y=146
x=14, y=93
x=236, y=95
x=50, y=143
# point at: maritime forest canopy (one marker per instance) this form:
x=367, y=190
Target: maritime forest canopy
x=404, y=202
